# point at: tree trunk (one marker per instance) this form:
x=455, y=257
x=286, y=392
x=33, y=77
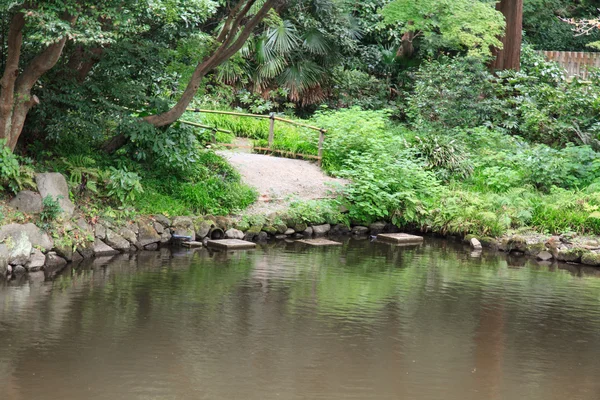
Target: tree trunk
x=510, y=55
x=406, y=48
x=15, y=88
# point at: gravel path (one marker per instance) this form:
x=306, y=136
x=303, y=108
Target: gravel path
x=281, y=180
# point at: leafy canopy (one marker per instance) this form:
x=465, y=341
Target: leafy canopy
x=459, y=24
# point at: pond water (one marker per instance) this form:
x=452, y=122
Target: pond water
x=361, y=321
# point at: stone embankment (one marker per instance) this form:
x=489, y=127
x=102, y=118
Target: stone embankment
x=26, y=248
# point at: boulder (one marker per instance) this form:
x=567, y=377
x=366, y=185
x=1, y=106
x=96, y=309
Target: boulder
x=321, y=230
x=591, y=258
x=544, y=256
x=340, y=230
x=569, y=255
x=102, y=249
x=252, y=233
x=223, y=222
x=19, y=249
x=151, y=246
x=65, y=251
x=280, y=236
x=270, y=229
x=234, y=234
x=84, y=227
x=36, y=236
x=147, y=234
x=160, y=229
x=281, y=228
x=183, y=226
x=161, y=219
x=116, y=241
x=54, y=262
x=203, y=227
x=134, y=227
x=300, y=227
x=76, y=257
x=360, y=230
x=376, y=228
x=165, y=237
x=27, y=202
x=262, y=236
x=55, y=185
x=100, y=231
x=290, y=232
x=128, y=235
x=475, y=244
x=308, y=232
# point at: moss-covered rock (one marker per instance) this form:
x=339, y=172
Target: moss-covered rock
x=242, y=225
x=591, y=258
x=467, y=238
x=281, y=228
x=300, y=227
x=570, y=255
x=255, y=229
x=270, y=229
x=490, y=242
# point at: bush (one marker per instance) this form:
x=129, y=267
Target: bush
x=14, y=176
x=123, y=185
x=451, y=93
x=51, y=209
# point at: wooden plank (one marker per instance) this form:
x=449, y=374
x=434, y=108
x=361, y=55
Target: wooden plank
x=399, y=238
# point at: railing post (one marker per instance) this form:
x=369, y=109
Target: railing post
x=271, y=130
x=214, y=136
x=321, y=140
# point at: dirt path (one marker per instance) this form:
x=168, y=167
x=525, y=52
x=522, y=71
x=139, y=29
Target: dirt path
x=281, y=180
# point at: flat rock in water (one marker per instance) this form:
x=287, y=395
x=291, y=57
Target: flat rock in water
x=192, y=244
x=231, y=244
x=399, y=238
x=320, y=242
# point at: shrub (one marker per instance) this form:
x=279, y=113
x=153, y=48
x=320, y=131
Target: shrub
x=123, y=185
x=444, y=155
x=51, y=209
x=14, y=176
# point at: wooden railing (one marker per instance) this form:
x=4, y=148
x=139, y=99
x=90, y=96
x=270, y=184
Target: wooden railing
x=272, y=117
x=576, y=63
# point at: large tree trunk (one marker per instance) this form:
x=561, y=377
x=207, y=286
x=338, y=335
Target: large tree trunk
x=16, y=98
x=510, y=55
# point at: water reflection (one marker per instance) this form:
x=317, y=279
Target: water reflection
x=361, y=321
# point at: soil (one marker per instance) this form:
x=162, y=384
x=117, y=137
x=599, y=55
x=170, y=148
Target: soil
x=280, y=181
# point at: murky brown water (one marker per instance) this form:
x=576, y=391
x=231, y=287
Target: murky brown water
x=364, y=321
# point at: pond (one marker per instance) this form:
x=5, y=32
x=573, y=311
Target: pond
x=360, y=321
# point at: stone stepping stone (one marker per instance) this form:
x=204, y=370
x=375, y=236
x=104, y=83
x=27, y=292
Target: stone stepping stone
x=399, y=238
x=192, y=244
x=319, y=242
x=231, y=244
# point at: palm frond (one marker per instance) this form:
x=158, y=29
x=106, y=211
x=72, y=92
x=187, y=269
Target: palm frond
x=283, y=38
x=315, y=42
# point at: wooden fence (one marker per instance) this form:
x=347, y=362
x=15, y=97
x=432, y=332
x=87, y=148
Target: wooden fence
x=272, y=119
x=576, y=63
